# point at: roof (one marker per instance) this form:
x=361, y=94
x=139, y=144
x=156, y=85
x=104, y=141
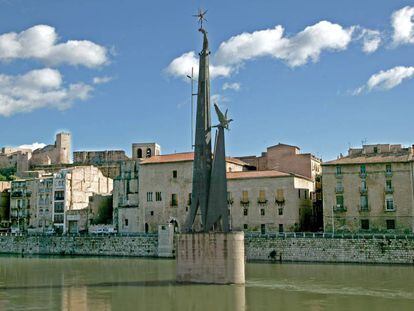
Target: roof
x=374, y=158
x=256, y=174
x=285, y=145
x=182, y=157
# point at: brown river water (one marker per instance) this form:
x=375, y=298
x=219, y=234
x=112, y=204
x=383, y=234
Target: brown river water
x=87, y=283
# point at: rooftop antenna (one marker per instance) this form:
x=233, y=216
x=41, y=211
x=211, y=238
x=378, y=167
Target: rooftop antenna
x=192, y=105
x=364, y=141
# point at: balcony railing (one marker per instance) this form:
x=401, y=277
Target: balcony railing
x=244, y=202
x=388, y=173
x=364, y=208
x=389, y=189
x=261, y=201
x=339, y=208
x=363, y=190
x=280, y=201
x=339, y=189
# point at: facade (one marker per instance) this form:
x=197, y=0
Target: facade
x=273, y=200
x=370, y=189
x=48, y=201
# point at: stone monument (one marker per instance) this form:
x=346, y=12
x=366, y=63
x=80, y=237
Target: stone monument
x=208, y=252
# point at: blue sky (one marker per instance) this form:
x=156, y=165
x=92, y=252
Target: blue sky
x=302, y=91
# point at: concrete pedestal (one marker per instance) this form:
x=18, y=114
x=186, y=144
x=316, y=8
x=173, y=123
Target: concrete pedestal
x=216, y=258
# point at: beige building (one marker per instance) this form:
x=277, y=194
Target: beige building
x=258, y=201
x=287, y=159
x=25, y=159
x=370, y=189
x=49, y=200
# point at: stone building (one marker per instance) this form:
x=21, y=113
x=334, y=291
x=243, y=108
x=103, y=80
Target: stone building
x=370, y=189
x=107, y=161
x=157, y=190
x=145, y=150
x=47, y=201
x=25, y=159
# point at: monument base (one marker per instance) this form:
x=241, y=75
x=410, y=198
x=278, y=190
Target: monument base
x=215, y=258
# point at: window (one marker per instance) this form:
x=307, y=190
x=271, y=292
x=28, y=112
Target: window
x=281, y=228
x=158, y=196
x=245, y=212
x=390, y=224
x=388, y=168
x=189, y=199
x=174, y=174
x=262, y=196
x=126, y=222
x=149, y=196
x=149, y=152
x=59, y=207
x=139, y=153
x=245, y=196
x=365, y=224
x=388, y=184
x=364, y=202
x=59, y=195
x=389, y=203
x=229, y=198
x=363, y=185
x=280, y=211
x=306, y=193
x=262, y=212
x=279, y=195
x=299, y=193
x=152, y=213
x=363, y=169
x=375, y=149
x=263, y=228
x=174, y=200
x=245, y=227
x=338, y=170
x=340, y=201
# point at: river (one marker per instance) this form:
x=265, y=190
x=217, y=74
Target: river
x=86, y=283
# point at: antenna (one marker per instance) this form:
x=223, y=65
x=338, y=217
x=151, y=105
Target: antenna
x=192, y=106
x=364, y=141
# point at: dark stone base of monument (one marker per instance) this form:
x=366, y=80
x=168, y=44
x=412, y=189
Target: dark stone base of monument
x=213, y=258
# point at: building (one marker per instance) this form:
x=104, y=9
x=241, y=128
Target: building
x=145, y=150
x=4, y=205
x=370, y=189
x=51, y=200
x=157, y=190
x=25, y=159
x=107, y=161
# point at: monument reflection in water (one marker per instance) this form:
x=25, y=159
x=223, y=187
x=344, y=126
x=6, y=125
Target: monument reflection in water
x=208, y=252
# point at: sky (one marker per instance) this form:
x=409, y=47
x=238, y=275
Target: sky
x=322, y=75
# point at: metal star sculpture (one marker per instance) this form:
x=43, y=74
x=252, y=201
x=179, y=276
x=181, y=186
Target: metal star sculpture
x=201, y=17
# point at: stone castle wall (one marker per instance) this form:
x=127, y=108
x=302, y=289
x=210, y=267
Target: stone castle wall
x=261, y=248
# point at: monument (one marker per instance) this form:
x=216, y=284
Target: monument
x=208, y=251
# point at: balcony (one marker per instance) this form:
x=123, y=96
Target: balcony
x=339, y=208
x=389, y=190
x=364, y=208
x=363, y=190
x=261, y=201
x=280, y=201
x=363, y=174
x=244, y=203
x=17, y=194
x=339, y=189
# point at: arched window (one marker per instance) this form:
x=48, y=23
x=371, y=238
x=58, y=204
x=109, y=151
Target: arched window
x=139, y=153
x=149, y=152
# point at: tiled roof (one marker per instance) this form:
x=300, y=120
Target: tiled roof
x=182, y=157
x=256, y=174
x=374, y=158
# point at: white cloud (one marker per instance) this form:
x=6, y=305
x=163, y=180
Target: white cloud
x=231, y=86
x=101, y=80
x=38, y=89
x=387, y=79
x=371, y=40
x=218, y=98
x=403, y=23
x=40, y=42
x=33, y=146
x=181, y=67
x=305, y=46
x=297, y=50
